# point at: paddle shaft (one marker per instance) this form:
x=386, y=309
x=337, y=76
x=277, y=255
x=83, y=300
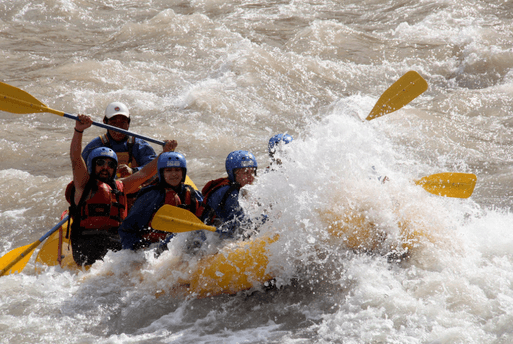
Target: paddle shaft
x=119, y=130
x=32, y=247
x=33, y=107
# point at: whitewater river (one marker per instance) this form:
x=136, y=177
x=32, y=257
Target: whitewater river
x=218, y=76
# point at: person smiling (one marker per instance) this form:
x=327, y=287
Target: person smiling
x=98, y=202
x=136, y=231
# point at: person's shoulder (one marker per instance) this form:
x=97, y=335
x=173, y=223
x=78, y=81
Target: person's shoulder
x=148, y=195
x=188, y=187
x=96, y=142
x=139, y=141
x=143, y=146
x=214, y=185
x=220, y=190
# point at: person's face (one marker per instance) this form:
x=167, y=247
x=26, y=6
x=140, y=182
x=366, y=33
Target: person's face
x=244, y=176
x=173, y=175
x=104, y=169
x=118, y=121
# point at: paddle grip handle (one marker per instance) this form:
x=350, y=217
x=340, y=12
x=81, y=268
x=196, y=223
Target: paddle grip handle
x=119, y=130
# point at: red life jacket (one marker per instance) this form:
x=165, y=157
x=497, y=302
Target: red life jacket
x=173, y=198
x=213, y=186
x=104, y=211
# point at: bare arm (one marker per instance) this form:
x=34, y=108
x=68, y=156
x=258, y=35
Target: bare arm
x=78, y=165
x=135, y=180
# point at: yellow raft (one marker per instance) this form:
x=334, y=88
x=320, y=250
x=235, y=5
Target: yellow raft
x=243, y=265
x=236, y=267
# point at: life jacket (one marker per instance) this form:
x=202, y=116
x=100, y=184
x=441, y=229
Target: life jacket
x=126, y=158
x=104, y=211
x=186, y=200
x=215, y=185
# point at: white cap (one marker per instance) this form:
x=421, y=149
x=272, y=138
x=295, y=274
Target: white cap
x=116, y=108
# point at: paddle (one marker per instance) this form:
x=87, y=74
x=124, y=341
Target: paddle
x=15, y=260
x=403, y=91
x=459, y=185
x=14, y=100
x=177, y=220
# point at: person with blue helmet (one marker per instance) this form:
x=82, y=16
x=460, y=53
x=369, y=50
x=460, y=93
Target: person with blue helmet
x=222, y=195
x=98, y=202
x=276, y=140
x=136, y=231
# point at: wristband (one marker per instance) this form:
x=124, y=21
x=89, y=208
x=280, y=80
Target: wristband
x=78, y=131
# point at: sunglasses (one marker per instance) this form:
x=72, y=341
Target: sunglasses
x=110, y=163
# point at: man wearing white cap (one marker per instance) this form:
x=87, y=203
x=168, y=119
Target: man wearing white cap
x=133, y=153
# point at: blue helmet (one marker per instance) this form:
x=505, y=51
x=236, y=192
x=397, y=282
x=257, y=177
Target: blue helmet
x=286, y=138
x=100, y=152
x=171, y=159
x=239, y=159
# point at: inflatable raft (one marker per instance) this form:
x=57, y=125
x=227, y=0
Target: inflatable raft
x=235, y=267
x=242, y=265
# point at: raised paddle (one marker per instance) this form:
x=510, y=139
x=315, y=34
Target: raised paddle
x=403, y=91
x=449, y=184
x=15, y=260
x=400, y=93
x=177, y=220
x=14, y=100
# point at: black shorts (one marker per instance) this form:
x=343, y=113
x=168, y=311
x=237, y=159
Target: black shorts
x=90, y=246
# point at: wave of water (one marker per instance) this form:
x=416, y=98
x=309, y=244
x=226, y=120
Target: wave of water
x=219, y=76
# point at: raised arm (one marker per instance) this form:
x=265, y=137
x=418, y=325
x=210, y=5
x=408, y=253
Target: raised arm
x=78, y=165
x=135, y=180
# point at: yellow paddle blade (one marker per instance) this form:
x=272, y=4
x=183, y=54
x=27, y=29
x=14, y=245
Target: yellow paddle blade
x=15, y=260
x=15, y=92
x=403, y=91
x=48, y=253
x=177, y=220
x=459, y=185
x=14, y=100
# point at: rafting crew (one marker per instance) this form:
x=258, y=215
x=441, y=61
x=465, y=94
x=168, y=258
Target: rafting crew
x=98, y=202
x=136, y=231
x=219, y=206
